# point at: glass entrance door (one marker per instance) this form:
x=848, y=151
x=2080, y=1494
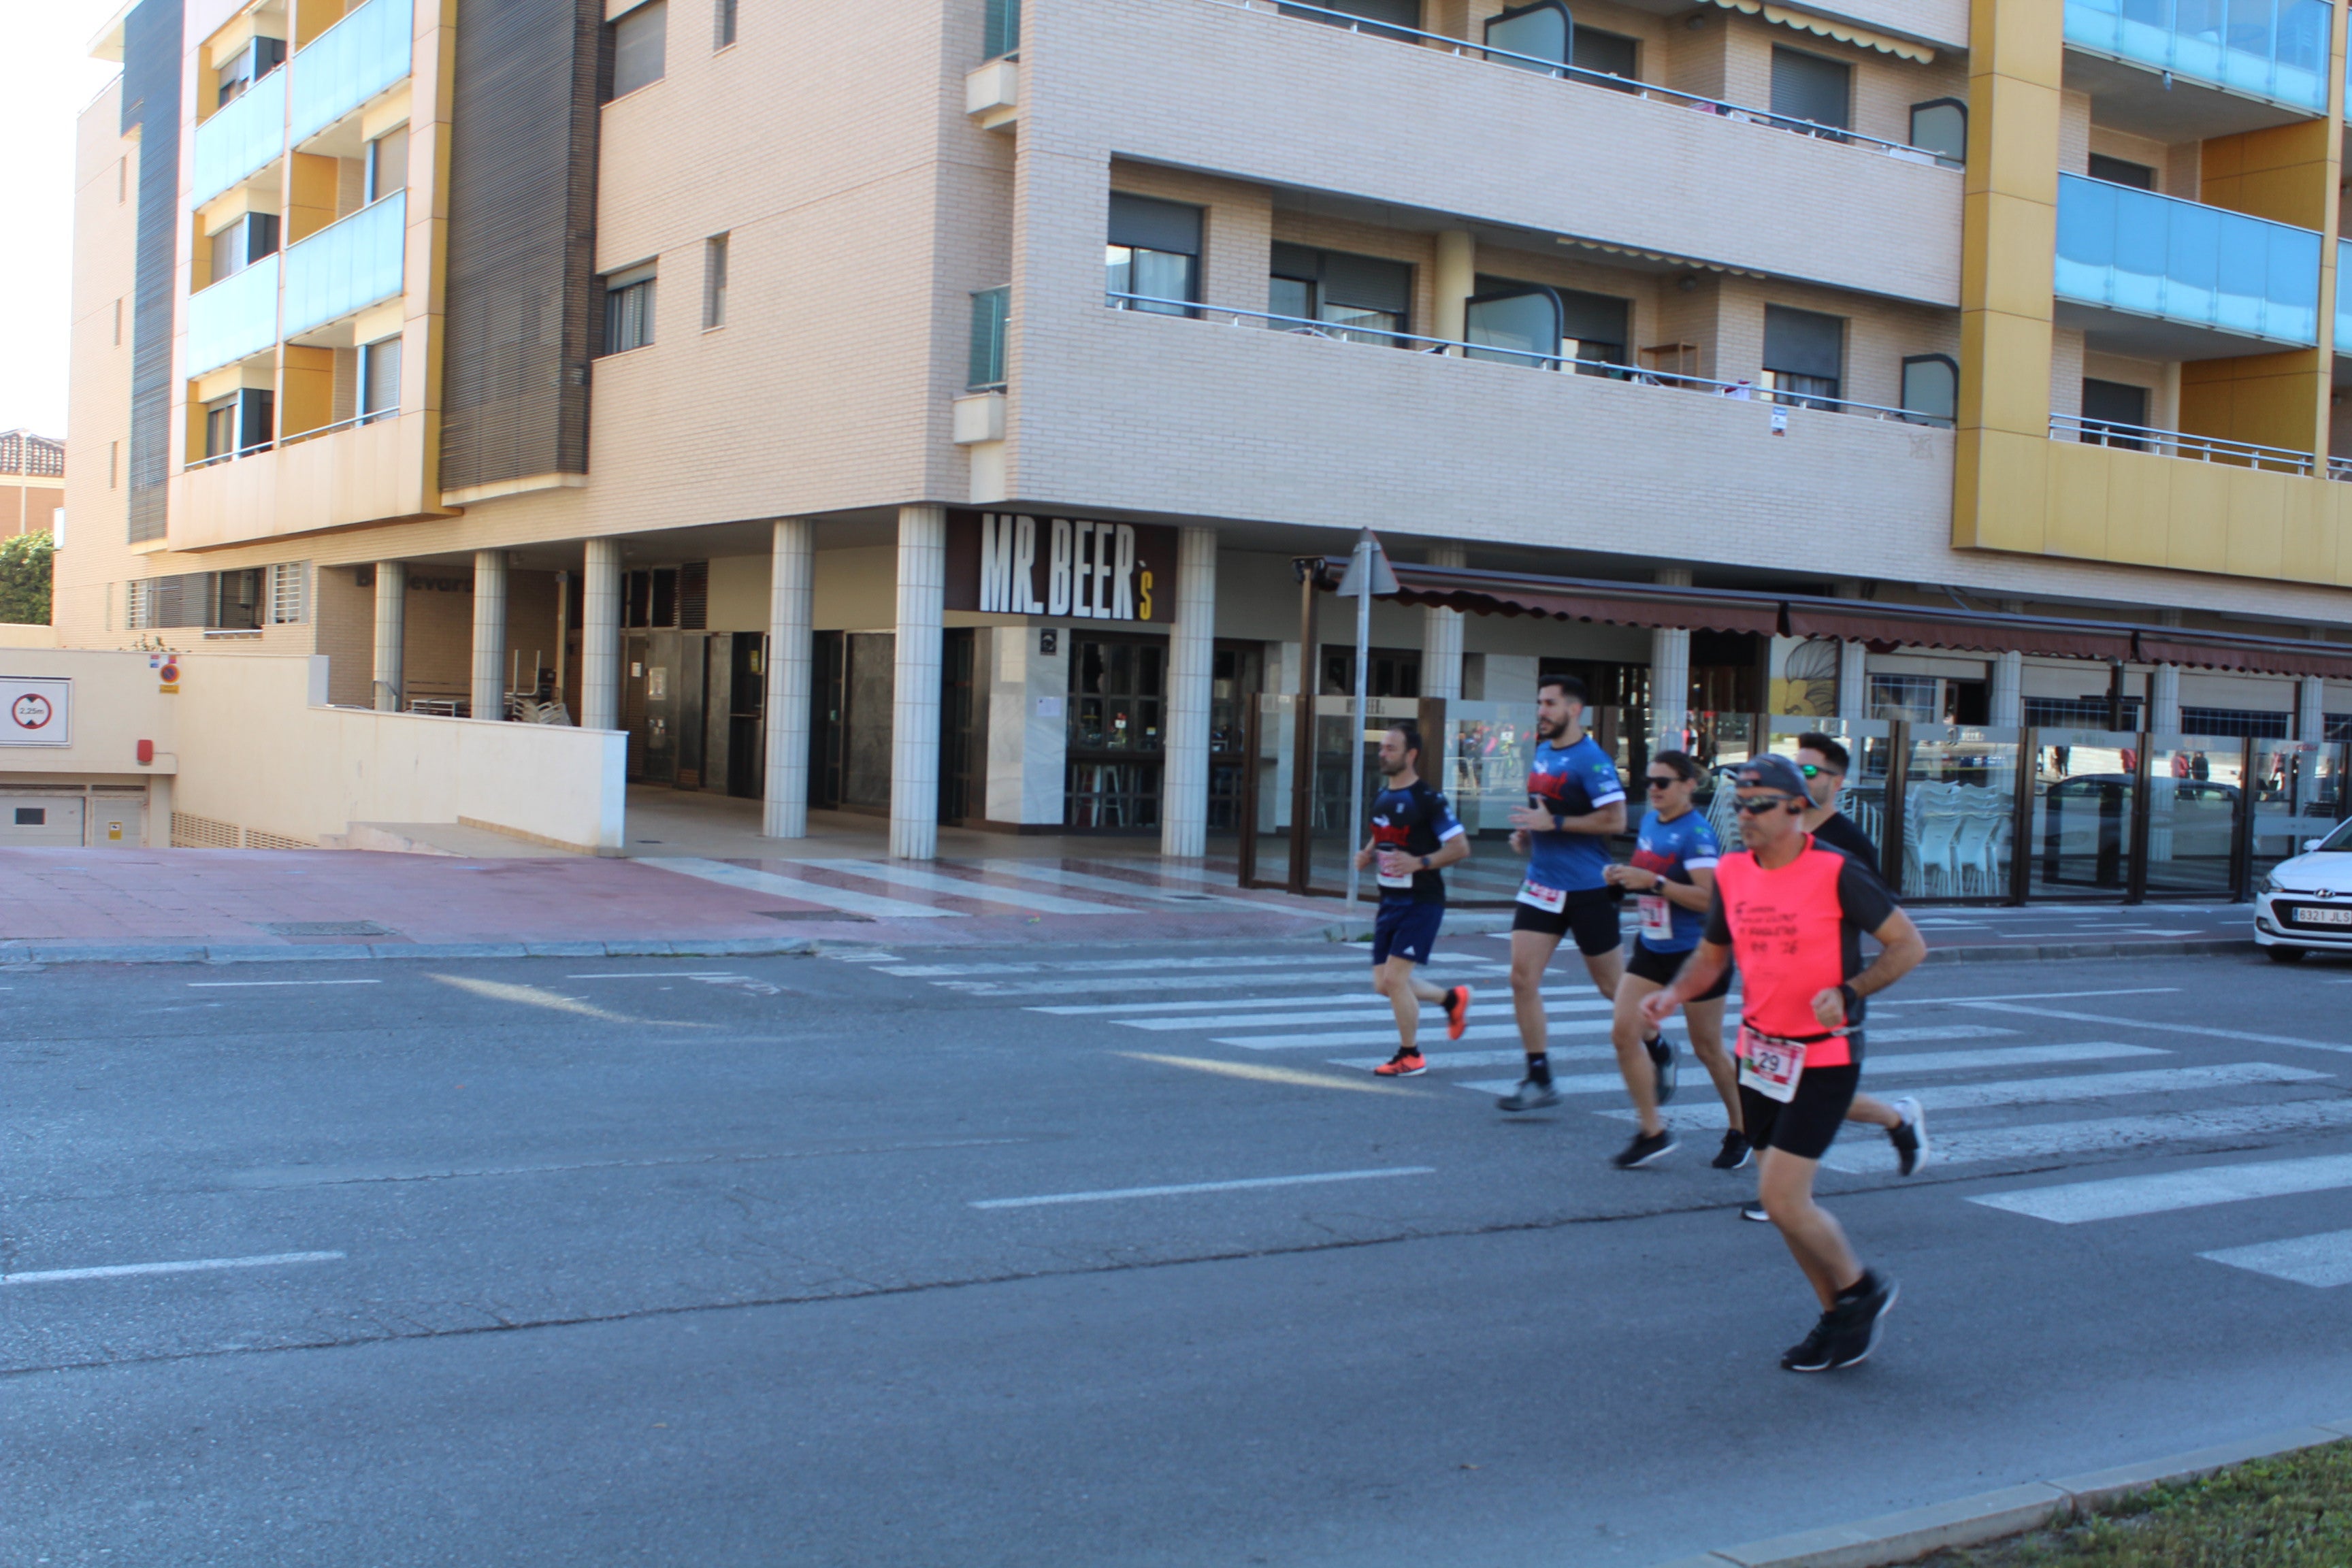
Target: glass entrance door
x=1116, y=718
x=2084, y=785
x=2196, y=792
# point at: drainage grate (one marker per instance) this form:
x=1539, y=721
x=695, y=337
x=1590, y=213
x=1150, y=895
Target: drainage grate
x=325, y=927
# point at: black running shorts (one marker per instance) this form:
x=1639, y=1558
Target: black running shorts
x=1660, y=969
x=1589, y=915
x=1806, y=1125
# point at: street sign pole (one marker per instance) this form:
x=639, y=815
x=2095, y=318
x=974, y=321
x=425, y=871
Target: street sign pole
x=1368, y=575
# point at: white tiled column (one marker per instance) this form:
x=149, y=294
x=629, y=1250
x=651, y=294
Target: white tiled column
x=914, y=706
x=1670, y=673
x=391, y=633
x=1441, y=636
x=489, y=673
x=2006, y=703
x=2164, y=699
x=1854, y=670
x=2311, y=709
x=600, y=636
x=792, y=581
x=1192, y=650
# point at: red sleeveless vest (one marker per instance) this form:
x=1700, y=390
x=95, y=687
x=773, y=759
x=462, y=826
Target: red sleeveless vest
x=1788, y=938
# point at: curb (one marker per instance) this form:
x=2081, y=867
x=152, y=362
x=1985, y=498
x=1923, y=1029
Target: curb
x=263, y=953
x=1991, y=1516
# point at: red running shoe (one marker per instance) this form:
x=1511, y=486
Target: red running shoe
x=1405, y=1064
x=1457, y=1011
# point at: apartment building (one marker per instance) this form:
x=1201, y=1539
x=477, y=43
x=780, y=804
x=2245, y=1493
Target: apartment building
x=32, y=482
x=943, y=449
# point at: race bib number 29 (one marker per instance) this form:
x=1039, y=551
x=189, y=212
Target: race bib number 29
x=1771, y=1066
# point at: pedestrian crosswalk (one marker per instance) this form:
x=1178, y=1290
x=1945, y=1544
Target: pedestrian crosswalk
x=952, y=890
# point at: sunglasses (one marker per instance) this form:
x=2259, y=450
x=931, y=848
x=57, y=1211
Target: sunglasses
x=1814, y=771
x=1756, y=805
x=1666, y=780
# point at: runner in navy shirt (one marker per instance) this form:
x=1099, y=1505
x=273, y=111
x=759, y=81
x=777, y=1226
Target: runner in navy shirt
x=1414, y=835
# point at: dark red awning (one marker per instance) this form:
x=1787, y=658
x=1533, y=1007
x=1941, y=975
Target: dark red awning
x=2251, y=656
x=1886, y=626
x=1481, y=592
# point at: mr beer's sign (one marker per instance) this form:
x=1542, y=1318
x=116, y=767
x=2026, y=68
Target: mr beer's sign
x=1014, y=563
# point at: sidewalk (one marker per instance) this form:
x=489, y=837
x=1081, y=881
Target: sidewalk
x=192, y=905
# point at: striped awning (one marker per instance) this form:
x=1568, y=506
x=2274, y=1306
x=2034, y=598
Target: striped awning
x=1831, y=28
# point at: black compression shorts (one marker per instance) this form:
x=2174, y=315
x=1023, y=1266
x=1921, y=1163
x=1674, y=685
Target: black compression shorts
x=1660, y=969
x=1589, y=915
x=1810, y=1121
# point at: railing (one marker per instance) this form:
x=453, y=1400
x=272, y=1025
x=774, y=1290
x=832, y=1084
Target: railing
x=235, y=317
x=248, y=132
x=1534, y=359
x=293, y=439
x=350, y=264
x=2157, y=256
x=1464, y=47
x=361, y=56
x=2339, y=468
x=219, y=458
x=2271, y=48
x=2179, y=444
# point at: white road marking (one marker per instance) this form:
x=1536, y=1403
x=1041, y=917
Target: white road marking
x=2168, y=1024
x=957, y=887
x=1916, y=1000
x=1146, y=985
x=1244, y=1186
x=1374, y=1008
x=2126, y=1197
x=1388, y=1036
x=1118, y=965
x=2324, y=1260
x=1442, y=1057
x=664, y=974
x=2005, y=1056
x=191, y=1266
x=2051, y=1090
x=1156, y=1009
x=1932, y=1032
x=1571, y=1083
x=2106, y=1135
x=247, y=984
x=798, y=889
x=1039, y=871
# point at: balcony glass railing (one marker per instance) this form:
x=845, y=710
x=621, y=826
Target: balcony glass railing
x=2270, y=48
x=2158, y=256
x=235, y=317
x=2342, y=298
x=248, y=132
x=348, y=265
x=350, y=63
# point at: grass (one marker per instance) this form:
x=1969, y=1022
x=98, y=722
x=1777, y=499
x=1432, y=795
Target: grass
x=2293, y=1511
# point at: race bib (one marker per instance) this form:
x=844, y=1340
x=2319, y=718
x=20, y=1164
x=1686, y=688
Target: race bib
x=1549, y=900
x=1771, y=1066
x=1657, y=914
x=1404, y=881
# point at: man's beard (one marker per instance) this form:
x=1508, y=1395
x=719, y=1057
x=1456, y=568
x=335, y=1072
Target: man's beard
x=1547, y=730
x=1389, y=769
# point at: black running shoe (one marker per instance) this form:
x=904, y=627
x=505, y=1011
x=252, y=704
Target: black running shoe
x=1645, y=1148
x=1734, y=1153
x=1861, y=1318
x=1529, y=1096
x=1812, y=1354
x=1663, y=1063
x=1909, y=1136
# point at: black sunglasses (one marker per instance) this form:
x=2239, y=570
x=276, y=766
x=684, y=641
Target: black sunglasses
x=1667, y=782
x=1756, y=805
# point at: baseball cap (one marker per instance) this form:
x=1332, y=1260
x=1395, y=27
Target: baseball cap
x=1773, y=772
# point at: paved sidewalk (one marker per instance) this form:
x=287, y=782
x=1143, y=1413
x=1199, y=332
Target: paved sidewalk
x=222, y=904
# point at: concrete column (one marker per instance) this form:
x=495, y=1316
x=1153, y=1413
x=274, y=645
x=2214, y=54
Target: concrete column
x=1456, y=279
x=1441, y=636
x=1192, y=650
x=2164, y=699
x=2007, y=702
x=1853, y=681
x=490, y=635
x=600, y=636
x=1670, y=673
x=2311, y=709
x=915, y=708
x=791, y=583
x=391, y=633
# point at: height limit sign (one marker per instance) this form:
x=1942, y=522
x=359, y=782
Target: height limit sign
x=35, y=711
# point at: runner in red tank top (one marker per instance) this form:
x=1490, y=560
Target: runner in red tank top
x=1792, y=914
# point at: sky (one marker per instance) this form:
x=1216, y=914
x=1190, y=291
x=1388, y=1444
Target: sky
x=47, y=78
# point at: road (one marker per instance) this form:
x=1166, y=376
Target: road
x=844, y=1260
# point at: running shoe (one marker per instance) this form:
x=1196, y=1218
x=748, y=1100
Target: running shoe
x=1860, y=1320
x=1457, y=1011
x=1755, y=1212
x=1909, y=1136
x=1529, y=1096
x=1405, y=1064
x=1663, y=1062
x=1734, y=1153
x=1645, y=1148
x=1813, y=1352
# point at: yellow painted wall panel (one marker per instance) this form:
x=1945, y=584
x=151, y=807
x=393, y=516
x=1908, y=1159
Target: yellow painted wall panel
x=2199, y=522
x=2010, y=387
x=2139, y=507
x=2257, y=526
x=2021, y=236
x=2006, y=484
x=307, y=393
x=2076, y=499
x=2024, y=39
x=2335, y=507
x=2020, y=132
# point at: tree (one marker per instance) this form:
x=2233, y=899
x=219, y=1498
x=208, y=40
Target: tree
x=25, y=578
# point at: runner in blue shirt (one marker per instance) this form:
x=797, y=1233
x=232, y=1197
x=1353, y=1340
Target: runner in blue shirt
x=1414, y=836
x=1672, y=879
x=1575, y=800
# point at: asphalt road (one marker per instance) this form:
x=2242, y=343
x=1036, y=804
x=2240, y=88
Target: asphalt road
x=688, y=1262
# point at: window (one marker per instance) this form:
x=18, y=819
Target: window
x=1809, y=90
x=1931, y=389
x=388, y=164
x=287, y=588
x=118, y=323
x=1611, y=54
x=220, y=425
x=991, y=310
x=722, y=24
x=237, y=602
x=1540, y=31
x=1395, y=12
x=1911, y=697
x=1513, y=323
x=1804, y=355
x=1940, y=126
x=248, y=65
x=629, y=310
x=2113, y=414
x=242, y=243
x=639, y=41
x=1002, y=30
x=714, y=281
x=379, y=380
x=1593, y=327
x=1155, y=252
x=1372, y=297
x=2122, y=172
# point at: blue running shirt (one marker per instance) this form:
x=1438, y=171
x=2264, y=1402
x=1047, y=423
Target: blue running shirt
x=1571, y=781
x=1674, y=850
x=1415, y=820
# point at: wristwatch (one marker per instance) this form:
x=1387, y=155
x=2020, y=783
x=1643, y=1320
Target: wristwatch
x=1424, y=862
x=1852, y=998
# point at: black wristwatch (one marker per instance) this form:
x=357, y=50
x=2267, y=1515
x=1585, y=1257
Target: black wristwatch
x=1424, y=862
x=1852, y=999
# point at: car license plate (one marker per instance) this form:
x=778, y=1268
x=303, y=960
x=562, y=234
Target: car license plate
x=2323, y=917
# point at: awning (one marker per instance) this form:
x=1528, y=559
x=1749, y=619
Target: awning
x=1887, y=626
x=1844, y=32
x=1481, y=592
x=2251, y=655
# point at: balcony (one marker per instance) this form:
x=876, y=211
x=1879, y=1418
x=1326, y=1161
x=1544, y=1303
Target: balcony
x=2174, y=280
x=248, y=132
x=235, y=317
x=364, y=54
x=2273, y=49
x=348, y=265
x=363, y=470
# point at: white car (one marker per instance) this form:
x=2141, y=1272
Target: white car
x=2304, y=905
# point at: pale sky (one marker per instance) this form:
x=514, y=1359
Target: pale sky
x=47, y=77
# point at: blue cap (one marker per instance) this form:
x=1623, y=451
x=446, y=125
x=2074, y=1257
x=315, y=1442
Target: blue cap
x=1772, y=773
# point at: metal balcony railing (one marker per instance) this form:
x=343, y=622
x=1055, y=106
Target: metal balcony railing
x=1533, y=359
x=2151, y=255
x=2179, y=444
x=1464, y=47
x=361, y=56
x=2267, y=48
